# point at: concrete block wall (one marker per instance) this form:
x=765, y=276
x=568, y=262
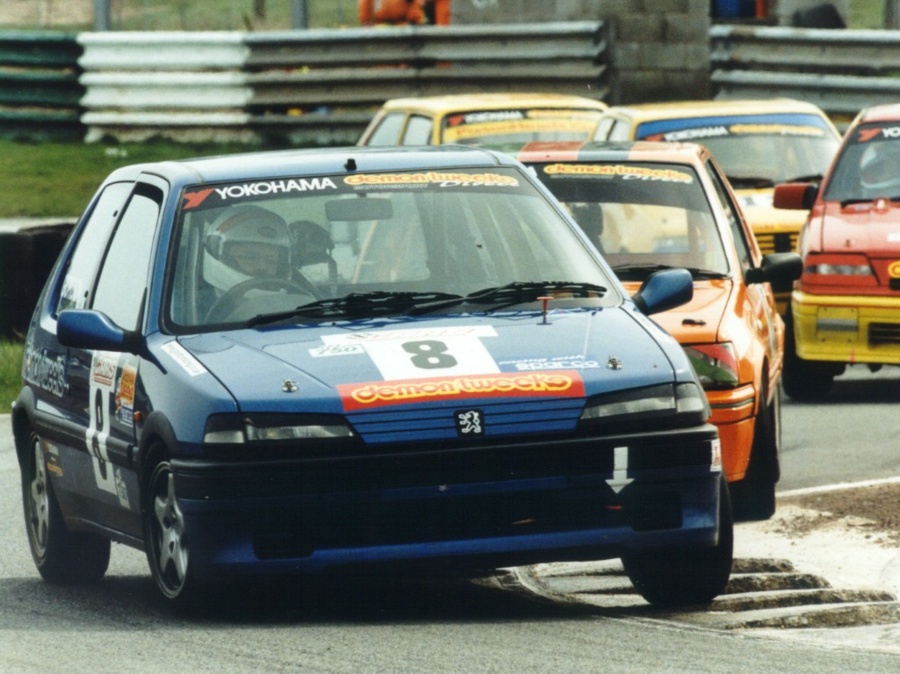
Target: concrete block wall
x=659, y=48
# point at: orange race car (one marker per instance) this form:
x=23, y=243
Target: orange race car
x=652, y=206
x=758, y=143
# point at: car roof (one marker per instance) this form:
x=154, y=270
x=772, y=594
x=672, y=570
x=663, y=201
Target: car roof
x=889, y=112
x=705, y=108
x=314, y=161
x=679, y=153
x=492, y=101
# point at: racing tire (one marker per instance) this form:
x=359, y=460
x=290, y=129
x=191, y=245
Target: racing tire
x=60, y=555
x=803, y=380
x=166, y=539
x=753, y=498
x=685, y=576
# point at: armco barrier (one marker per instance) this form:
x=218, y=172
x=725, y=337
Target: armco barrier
x=841, y=71
x=39, y=87
x=318, y=86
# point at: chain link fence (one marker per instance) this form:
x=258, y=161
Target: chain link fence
x=176, y=15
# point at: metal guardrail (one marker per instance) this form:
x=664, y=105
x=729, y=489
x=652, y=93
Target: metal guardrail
x=39, y=86
x=841, y=71
x=322, y=86
x=319, y=86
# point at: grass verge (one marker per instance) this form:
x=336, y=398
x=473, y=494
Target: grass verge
x=50, y=179
x=10, y=373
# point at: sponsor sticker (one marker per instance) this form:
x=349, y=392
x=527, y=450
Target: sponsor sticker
x=409, y=354
x=369, y=395
x=184, y=358
x=619, y=171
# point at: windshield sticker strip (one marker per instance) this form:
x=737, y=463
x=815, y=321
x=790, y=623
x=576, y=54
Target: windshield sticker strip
x=516, y=126
x=620, y=171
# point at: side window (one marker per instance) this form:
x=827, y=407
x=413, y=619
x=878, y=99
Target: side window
x=85, y=260
x=734, y=218
x=418, y=131
x=123, y=277
x=388, y=131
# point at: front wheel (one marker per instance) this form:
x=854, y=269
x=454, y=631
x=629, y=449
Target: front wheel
x=686, y=575
x=59, y=555
x=165, y=538
x=803, y=380
x=753, y=498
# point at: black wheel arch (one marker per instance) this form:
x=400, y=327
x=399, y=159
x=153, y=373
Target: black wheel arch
x=23, y=413
x=156, y=432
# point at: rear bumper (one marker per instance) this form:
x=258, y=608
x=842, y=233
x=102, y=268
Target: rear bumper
x=472, y=507
x=846, y=329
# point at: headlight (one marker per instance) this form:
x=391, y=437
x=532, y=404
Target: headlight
x=839, y=269
x=238, y=429
x=649, y=403
x=715, y=364
x=843, y=267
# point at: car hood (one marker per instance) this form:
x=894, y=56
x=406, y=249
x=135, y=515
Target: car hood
x=335, y=368
x=698, y=321
x=869, y=226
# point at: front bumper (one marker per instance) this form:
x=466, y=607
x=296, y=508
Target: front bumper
x=472, y=506
x=846, y=329
x=734, y=414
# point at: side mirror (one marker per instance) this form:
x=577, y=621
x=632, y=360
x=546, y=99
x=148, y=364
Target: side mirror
x=779, y=269
x=87, y=329
x=795, y=196
x=664, y=290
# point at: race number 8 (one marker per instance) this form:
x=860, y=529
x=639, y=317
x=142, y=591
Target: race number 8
x=429, y=354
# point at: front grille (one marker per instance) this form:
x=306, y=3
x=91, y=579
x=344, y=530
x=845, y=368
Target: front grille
x=782, y=242
x=884, y=333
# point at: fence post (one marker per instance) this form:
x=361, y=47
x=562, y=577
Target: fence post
x=892, y=14
x=101, y=15
x=299, y=14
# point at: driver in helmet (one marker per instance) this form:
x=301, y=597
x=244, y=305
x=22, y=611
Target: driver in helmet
x=245, y=243
x=879, y=169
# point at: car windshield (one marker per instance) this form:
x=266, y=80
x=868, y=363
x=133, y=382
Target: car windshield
x=358, y=245
x=867, y=167
x=641, y=216
x=509, y=130
x=756, y=151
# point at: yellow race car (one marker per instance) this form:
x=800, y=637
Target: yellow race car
x=501, y=121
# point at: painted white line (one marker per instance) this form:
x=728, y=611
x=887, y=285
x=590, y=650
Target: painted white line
x=839, y=487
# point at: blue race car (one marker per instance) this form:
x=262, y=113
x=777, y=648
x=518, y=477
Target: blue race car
x=345, y=358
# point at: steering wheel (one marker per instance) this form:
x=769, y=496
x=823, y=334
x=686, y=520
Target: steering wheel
x=227, y=304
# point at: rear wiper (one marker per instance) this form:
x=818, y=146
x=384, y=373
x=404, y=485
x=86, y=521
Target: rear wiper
x=357, y=305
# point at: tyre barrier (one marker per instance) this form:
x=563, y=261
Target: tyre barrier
x=26, y=259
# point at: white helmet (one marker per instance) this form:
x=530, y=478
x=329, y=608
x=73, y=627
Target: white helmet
x=244, y=224
x=879, y=167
